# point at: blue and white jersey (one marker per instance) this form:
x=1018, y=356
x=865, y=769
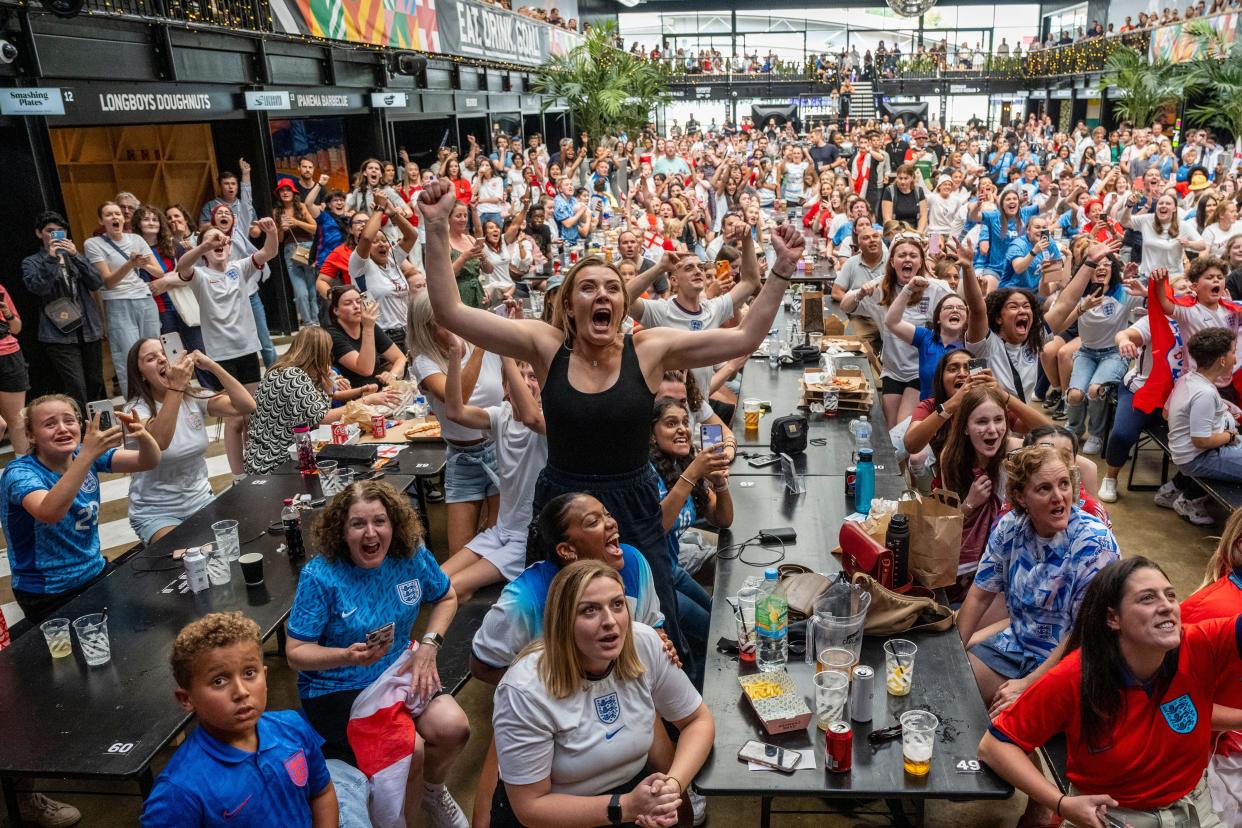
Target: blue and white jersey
x=1044, y=580
x=213, y=785
x=685, y=519
x=337, y=604
x=51, y=558
x=1028, y=279
x=516, y=619
x=1000, y=238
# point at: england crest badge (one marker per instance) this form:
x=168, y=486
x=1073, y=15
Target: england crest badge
x=608, y=708
x=1180, y=713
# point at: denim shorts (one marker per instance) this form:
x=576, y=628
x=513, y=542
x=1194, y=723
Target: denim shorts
x=470, y=473
x=1010, y=665
x=144, y=528
x=1096, y=366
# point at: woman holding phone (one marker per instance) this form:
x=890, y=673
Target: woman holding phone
x=50, y=499
x=596, y=381
x=176, y=416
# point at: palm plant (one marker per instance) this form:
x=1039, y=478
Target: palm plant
x=1219, y=77
x=1148, y=86
x=608, y=91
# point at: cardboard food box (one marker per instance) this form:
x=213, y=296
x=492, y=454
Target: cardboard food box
x=776, y=701
x=855, y=345
x=854, y=389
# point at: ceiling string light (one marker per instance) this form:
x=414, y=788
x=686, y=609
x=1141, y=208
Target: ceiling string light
x=911, y=8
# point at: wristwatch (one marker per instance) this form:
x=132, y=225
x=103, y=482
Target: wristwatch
x=434, y=639
x=940, y=409
x=614, y=810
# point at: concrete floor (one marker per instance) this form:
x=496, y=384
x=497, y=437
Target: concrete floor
x=1140, y=527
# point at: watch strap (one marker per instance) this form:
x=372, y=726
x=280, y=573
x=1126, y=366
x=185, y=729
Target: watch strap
x=614, y=810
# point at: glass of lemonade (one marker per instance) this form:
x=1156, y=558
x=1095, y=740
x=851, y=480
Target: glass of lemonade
x=899, y=666
x=918, y=739
x=59, y=640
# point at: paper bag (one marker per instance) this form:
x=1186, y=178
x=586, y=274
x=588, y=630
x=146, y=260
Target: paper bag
x=833, y=325
x=935, y=537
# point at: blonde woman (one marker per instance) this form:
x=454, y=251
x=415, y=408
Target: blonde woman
x=594, y=663
x=297, y=390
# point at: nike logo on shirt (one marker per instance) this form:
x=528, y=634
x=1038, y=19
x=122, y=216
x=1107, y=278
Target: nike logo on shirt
x=233, y=813
x=345, y=615
x=608, y=736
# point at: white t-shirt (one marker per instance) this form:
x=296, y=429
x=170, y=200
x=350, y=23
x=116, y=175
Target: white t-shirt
x=488, y=391
x=386, y=285
x=597, y=738
x=491, y=188
x=900, y=359
x=1098, y=326
x=1216, y=237
x=179, y=486
x=517, y=186
x=1001, y=355
x=98, y=250
x=946, y=215
x=667, y=313
x=1194, y=318
x=1195, y=410
x=1162, y=250
x=520, y=455
x=224, y=309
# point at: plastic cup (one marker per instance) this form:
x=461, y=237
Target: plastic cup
x=344, y=479
x=327, y=477
x=750, y=413
x=918, y=740
x=899, y=666
x=252, y=568
x=832, y=690
x=745, y=615
x=835, y=660
x=536, y=303
x=227, y=539
x=817, y=340
x=92, y=633
x=59, y=640
x=219, y=572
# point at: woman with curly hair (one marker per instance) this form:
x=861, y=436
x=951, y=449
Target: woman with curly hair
x=352, y=617
x=157, y=231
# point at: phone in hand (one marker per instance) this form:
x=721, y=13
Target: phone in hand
x=59, y=235
x=382, y=636
x=711, y=436
x=107, y=418
x=174, y=348
x=772, y=756
x=977, y=364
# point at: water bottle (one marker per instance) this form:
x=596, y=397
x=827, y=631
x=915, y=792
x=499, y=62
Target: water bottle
x=196, y=569
x=774, y=348
x=864, y=482
x=305, y=449
x=898, y=542
x=861, y=429
x=420, y=406
x=772, y=623
x=827, y=368
x=291, y=518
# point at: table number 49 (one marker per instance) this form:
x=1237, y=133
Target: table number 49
x=968, y=766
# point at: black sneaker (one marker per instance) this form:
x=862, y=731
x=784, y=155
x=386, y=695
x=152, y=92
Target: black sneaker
x=1053, y=398
x=1058, y=411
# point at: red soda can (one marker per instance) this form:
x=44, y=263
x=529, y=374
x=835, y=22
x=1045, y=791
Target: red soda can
x=839, y=747
x=340, y=433
x=573, y=257
x=377, y=425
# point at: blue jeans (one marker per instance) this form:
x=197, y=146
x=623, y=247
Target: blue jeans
x=1092, y=366
x=129, y=320
x=1224, y=463
x=302, y=278
x=266, y=348
x=694, y=609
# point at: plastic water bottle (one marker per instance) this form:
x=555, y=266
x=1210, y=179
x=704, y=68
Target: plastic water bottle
x=772, y=623
x=861, y=429
x=774, y=348
x=864, y=482
x=291, y=518
x=195, y=563
x=420, y=406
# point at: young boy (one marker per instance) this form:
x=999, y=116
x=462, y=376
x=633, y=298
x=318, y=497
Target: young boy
x=241, y=767
x=1211, y=308
x=1203, y=429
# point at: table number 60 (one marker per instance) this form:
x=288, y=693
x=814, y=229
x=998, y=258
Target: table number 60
x=121, y=747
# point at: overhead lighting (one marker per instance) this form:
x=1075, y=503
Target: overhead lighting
x=629, y=4
x=911, y=8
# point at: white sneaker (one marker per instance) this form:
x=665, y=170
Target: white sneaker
x=1108, y=490
x=443, y=810
x=1167, y=496
x=698, y=806
x=47, y=813
x=1092, y=446
x=1194, y=511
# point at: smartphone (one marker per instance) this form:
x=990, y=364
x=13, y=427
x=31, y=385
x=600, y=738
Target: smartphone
x=1046, y=234
x=760, y=462
x=770, y=756
x=711, y=436
x=1096, y=289
x=723, y=268
x=174, y=348
x=382, y=636
x=976, y=365
x=59, y=235
x=106, y=411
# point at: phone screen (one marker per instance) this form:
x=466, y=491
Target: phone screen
x=976, y=365
x=59, y=235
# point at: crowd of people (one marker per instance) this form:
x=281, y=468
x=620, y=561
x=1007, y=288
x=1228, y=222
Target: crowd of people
x=573, y=315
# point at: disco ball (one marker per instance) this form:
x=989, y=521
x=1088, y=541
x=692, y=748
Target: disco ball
x=911, y=8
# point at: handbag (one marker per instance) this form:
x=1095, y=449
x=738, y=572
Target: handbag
x=801, y=591
x=301, y=255
x=186, y=303
x=65, y=314
x=788, y=434
x=935, y=536
x=891, y=613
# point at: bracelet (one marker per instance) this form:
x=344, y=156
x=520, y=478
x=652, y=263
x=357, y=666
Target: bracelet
x=1059, y=804
x=690, y=482
x=680, y=787
x=1091, y=263
x=723, y=488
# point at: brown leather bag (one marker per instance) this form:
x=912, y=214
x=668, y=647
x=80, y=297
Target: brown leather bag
x=892, y=612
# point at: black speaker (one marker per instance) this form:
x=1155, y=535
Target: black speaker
x=64, y=8
x=407, y=63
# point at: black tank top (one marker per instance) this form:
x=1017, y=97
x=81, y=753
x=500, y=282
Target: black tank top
x=604, y=433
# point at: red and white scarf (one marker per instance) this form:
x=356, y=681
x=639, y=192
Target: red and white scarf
x=862, y=173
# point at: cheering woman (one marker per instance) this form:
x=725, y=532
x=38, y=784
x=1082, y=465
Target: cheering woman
x=598, y=385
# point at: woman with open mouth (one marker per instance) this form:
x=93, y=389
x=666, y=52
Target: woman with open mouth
x=1138, y=696
x=1165, y=237
x=575, y=717
x=599, y=385
x=906, y=277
